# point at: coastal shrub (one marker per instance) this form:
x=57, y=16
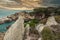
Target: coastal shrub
x=47, y=34
x=41, y=11
x=57, y=18
x=32, y=22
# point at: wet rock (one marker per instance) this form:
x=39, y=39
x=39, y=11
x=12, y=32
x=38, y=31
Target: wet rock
x=12, y=17
x=4, y=20
x=8, y=27
x=2, y=35
x=1, y=22
x=7, y=20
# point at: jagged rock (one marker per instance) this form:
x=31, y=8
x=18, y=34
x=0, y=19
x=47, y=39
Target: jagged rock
x=27, y=29
x=16, y=31
x=40, y=39
x=7, y=20
x=1, y=22
x=8, y=27
x=51, y=21
x=55, y=28
x=40, y=27
x=4, y=20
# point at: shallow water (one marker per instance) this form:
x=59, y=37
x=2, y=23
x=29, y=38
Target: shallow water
x=5, y=12
x=3, y=27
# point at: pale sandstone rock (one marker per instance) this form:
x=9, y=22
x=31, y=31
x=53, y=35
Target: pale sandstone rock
x=51, y=21
x=16, y=31
x=40, y=27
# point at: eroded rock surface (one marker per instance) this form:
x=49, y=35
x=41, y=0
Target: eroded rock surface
x=51, y=21
x=16, y=31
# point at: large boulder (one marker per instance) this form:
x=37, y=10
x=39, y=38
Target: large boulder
x=51, y=21
x=4, y=20
x=1, y=22
x=40, y=27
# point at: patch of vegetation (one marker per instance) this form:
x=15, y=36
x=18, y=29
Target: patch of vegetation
x=47, y=34
x=57, y=18
x=32, y=22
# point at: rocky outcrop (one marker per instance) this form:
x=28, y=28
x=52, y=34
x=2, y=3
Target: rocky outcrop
x=16, y=31
x=4, y=20
x=40, y=27
x=55, y=28
x=51, y=21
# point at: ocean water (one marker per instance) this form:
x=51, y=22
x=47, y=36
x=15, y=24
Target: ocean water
x=5, y=12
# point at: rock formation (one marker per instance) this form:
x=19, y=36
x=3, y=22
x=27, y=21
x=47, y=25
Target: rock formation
x=40, y=27
x=4, y=20
x=16, y=31
x=26, y=34
x=51, y=21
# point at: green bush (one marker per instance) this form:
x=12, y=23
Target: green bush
x=57, y=18
x=32, y=22
x=47, y=34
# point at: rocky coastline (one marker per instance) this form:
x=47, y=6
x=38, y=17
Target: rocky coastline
x=34, y=26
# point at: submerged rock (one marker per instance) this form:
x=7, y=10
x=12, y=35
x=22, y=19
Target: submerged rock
x=16, y=31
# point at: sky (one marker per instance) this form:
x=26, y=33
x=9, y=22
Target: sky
x=51, y=2
x=44, y=2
